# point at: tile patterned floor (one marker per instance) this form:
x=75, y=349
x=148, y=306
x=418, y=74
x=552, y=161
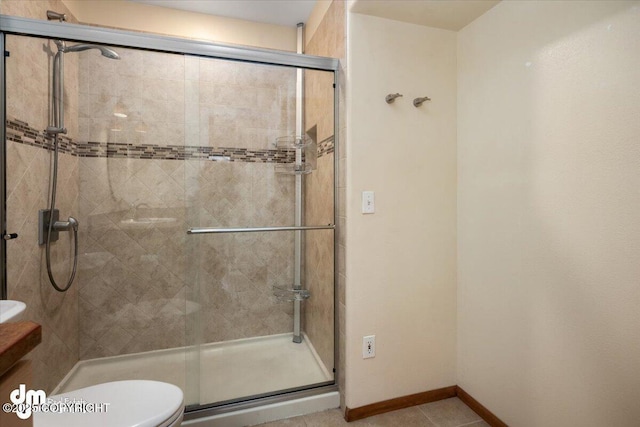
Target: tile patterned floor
x=444, y=413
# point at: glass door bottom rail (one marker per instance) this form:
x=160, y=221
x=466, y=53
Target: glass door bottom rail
x=228, y=370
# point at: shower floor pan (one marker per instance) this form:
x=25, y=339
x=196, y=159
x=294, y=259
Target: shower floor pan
x=228, y=370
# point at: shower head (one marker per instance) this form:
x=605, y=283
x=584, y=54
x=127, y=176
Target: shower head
x=109, y=53
x=55, y=16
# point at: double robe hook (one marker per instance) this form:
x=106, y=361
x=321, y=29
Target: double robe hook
x=416, y=102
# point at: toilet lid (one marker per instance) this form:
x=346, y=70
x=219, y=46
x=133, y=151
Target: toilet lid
x=131, y=404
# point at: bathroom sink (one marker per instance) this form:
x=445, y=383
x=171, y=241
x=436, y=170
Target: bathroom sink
x=11, y=311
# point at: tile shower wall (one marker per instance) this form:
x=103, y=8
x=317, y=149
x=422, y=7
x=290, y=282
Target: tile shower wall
x=134, y=277
x=247, y=107
x=27, y=192
x=328, y=40
x=132, y=290
x=137, y=271
x=237, y=272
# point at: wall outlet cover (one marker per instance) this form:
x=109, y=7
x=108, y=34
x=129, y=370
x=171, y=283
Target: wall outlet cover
x=369, y=346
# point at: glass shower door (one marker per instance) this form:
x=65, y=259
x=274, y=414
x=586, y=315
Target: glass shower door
x=265, y=283
x=121, y=175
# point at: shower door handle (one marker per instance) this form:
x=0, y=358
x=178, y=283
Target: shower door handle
x=202, y=230
x=10, y=236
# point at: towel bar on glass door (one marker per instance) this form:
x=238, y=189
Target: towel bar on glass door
x=198, y=230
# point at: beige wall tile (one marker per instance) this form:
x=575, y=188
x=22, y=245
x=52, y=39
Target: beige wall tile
x=27, y=279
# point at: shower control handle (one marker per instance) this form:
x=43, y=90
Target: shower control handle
x=10, y=236
x=45, y=217
x=71, y=223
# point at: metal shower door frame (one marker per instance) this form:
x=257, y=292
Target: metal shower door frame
x=129, y=39
x=158, y=43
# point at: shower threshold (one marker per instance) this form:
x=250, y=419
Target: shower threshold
x=226, y=370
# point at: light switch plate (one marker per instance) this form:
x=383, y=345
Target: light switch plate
x=368, y=202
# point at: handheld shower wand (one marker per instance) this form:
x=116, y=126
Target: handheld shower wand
x=49, y=225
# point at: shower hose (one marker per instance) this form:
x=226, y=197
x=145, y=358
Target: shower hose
x=72, y=223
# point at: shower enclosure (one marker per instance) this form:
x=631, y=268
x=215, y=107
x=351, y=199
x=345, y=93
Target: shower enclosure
x=203, y=181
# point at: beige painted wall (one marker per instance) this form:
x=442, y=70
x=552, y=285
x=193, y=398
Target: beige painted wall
x=548, y=202
x=143, y=17
x=401, y=260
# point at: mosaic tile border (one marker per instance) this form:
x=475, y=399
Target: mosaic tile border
x=326, y=146
x=181, y=152
x=21, y=132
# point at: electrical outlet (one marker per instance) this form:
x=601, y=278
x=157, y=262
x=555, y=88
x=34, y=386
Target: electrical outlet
x=369, y=346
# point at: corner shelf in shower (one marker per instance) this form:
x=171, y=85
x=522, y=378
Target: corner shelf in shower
x=283, y=294
x=294, y=169
x=309, y=153
x=297, y=142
